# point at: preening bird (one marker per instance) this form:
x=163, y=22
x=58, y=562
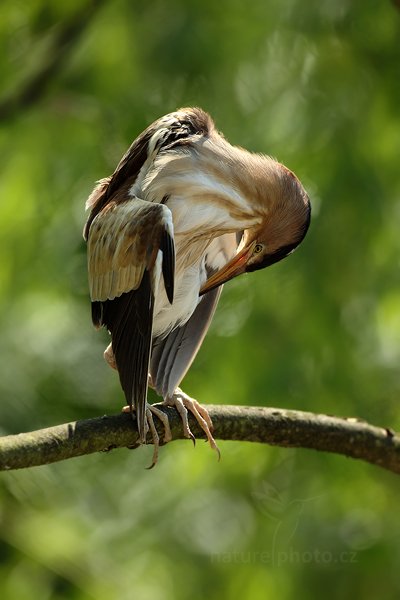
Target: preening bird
x=183, y=213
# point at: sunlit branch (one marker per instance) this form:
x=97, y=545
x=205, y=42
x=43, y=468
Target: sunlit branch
x=286, y=428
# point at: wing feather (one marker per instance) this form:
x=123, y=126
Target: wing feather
x=123, y=241
x=129, y=318
x=126, y=242
x=168, y=264
x=172, y=356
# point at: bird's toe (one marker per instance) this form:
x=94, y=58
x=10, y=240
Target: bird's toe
x=164, y=420
x=154, y=435
x=184, y=403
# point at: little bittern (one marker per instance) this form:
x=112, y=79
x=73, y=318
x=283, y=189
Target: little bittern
x=183, y=212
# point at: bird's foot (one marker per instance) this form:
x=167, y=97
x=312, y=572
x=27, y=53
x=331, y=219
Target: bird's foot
x=184, y=403
x=151, y=410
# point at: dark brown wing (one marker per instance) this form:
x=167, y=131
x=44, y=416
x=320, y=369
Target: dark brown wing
x=129, y=319
x=130, y=246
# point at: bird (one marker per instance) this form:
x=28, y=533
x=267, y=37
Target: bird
x=183, y=213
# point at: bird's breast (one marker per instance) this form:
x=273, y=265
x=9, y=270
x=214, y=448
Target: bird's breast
x=195, y=262
x=188, y=282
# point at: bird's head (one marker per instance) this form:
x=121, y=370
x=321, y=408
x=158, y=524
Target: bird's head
x=284, y=213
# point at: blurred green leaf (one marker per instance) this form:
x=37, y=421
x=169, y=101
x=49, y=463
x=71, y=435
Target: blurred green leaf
x=316, y=85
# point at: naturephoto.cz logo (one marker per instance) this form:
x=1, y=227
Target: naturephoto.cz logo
x=286, y=557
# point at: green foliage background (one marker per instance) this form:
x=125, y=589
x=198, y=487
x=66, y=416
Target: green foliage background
x=315, y=84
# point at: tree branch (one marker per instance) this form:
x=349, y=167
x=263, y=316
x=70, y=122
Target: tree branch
x=287, y=428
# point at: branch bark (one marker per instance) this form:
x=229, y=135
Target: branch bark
x=288, y=428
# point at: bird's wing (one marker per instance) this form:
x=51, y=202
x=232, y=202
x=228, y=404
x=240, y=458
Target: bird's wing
x=123, y=242
x=172, y=355
x=130, y=245
x=169, y=132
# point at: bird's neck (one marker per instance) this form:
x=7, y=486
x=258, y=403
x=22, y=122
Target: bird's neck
x=203, y=193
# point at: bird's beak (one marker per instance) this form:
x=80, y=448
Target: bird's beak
x=236, y=266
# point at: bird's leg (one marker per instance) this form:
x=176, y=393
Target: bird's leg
x=150, y=411
x=150, y=408
x=109, y=357
x=182, y=402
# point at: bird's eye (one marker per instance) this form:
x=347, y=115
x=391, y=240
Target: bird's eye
x=258, y=248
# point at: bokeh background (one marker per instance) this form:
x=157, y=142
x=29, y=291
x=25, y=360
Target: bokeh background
x=315, y=84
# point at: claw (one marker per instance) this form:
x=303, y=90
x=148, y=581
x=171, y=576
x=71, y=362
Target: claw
x=150, y=411
x=154, y=435
x=184, y=403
